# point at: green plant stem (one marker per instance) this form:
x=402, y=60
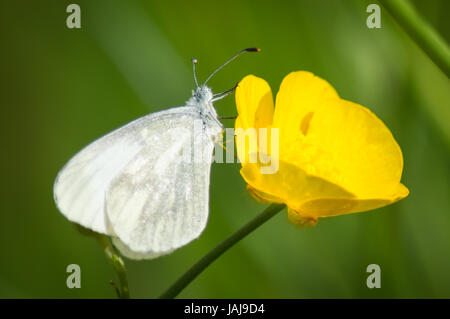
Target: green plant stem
x=216, y=252
x=420, y=31
x=119, y=266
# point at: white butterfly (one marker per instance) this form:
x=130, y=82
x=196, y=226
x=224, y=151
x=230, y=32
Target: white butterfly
x=135, y=184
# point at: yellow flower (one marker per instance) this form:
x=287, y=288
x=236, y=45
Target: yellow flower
x=335, y=156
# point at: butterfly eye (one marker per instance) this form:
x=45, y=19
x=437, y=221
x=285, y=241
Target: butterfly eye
x=304, y=125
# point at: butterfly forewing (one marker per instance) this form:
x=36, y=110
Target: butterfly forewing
x=159, y=201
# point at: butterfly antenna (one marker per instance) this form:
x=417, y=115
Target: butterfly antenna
x=229, y=60
x=194, y=62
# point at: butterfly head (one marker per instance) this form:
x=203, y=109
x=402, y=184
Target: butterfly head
x=202, y=96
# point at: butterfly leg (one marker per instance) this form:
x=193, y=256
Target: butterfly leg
x=221, y=95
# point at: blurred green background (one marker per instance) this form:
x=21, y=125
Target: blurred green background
x=61, y=88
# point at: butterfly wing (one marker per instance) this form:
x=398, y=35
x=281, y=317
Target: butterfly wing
x=159, y=202
x=127, y=252
x=81, y=185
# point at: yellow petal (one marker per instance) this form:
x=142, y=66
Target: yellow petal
x=254, y=103
x=365, y=158
x=300, y=94
x=290, y=185
x=261, y=197
x=326, y=207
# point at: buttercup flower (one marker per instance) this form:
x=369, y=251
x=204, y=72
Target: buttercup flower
x=335, y=156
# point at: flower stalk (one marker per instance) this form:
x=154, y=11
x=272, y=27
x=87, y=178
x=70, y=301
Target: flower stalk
x=113, y=256
x=216, y=252
x=420, y=31
x=122, y=289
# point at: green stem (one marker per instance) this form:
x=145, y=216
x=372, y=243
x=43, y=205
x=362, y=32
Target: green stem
x=216, y=252
x=420, y=31
x=122, y=291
